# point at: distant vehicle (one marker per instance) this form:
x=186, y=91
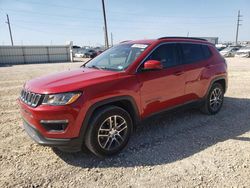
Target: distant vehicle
x=230, y=51
x=76, y=47
x=80, y=54
x=243, y=52
x=90, y=53
x=99, y=52
x=220, y=46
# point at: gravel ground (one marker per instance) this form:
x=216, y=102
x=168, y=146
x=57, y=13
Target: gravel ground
x=180, y=149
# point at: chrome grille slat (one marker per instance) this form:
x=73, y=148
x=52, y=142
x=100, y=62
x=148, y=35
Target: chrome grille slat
x=30, y=98
x=26, y=97
x=33, y=98
x=37, y=99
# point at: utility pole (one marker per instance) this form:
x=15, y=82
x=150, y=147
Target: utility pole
x=105, y=26
x=111, y=38
x=105, y=39
x=238, y=25
x=8, y=22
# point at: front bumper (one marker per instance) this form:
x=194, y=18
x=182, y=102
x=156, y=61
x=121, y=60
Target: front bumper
x=69, y=139
x=227, y=55
x=70, y=145
x=73, y=114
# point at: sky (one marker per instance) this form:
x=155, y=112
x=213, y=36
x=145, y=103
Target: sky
x=46, y=22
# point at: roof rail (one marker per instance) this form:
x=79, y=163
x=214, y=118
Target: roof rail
x=193, y=38
x=125, y=41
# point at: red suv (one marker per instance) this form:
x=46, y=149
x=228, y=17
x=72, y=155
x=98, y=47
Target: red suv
x=100, y=104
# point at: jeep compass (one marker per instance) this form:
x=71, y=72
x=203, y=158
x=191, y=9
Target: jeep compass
x=98, y=105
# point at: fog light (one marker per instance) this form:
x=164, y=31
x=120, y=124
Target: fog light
x=54, y=125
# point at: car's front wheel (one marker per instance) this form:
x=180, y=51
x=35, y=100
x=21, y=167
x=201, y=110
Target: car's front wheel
x=214, y=99
x=109, y=131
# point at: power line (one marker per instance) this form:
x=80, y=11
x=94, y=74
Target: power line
x=49, y=32
x=8, y=22
x=114, y=19
x=238, y=25
x=61, y=6
x=126, y=13
x=121, y=13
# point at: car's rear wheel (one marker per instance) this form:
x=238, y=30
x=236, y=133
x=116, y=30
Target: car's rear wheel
x=214, y=100
x=109, y=131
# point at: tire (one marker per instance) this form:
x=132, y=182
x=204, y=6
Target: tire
x=103, y=138
x=214, y=100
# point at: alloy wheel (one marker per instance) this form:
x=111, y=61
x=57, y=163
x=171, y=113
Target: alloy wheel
x=216, y=99
x=112, y=132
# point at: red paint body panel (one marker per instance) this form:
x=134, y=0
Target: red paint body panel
x=152, y=91
x=160, y=89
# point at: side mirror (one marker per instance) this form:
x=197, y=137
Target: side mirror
x=152, y=65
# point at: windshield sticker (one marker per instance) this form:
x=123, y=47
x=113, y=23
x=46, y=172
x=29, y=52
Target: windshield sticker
x=143, y=46
x=120, y=67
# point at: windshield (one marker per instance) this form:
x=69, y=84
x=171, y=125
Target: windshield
x=117, y=58
x=227, y=49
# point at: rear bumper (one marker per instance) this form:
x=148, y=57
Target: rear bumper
x=69, y=144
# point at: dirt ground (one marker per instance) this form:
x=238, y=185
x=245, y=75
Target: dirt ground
x=180, y=149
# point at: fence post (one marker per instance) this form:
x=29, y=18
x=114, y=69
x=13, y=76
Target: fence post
x=69, y=50
x=48, y=54
x=23, y=51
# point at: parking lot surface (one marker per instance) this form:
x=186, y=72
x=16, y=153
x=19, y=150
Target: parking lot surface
x=184, y=148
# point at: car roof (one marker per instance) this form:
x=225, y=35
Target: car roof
x=168, y=39
x=144, y=41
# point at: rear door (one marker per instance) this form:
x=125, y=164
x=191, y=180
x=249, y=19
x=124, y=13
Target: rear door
x=161, y=89
x=195, y=62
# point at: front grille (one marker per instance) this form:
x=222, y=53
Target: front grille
x=31, y=99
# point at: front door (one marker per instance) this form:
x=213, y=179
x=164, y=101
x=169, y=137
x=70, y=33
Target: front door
x=161, y=89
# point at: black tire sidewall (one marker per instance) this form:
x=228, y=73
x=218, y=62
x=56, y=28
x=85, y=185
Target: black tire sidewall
x=99, y=117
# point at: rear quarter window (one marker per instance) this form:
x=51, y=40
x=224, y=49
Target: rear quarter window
x=206, y=51
x=192, y=53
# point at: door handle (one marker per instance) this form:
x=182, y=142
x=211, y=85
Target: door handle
x=178, y=73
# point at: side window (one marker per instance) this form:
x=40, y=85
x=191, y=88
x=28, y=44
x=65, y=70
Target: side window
x=206, y=51
x=166, y=54
x=192, y=53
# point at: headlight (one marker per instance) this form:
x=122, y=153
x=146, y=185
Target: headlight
x=61, y=98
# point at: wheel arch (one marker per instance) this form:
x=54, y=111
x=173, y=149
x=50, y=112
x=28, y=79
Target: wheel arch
x=221, y=80
x=125, y=102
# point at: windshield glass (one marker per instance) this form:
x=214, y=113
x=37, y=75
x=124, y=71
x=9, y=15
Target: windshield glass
x=117, y=58
x=227, y=49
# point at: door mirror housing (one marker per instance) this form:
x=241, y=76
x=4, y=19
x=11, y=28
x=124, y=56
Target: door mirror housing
x=152, y=65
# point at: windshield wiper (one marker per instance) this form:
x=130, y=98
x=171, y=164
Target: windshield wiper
x=102, y=68
x=109, y=68
x=94, y=67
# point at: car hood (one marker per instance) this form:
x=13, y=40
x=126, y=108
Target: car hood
x=244, y=51
x=71, y=80
x=224, y=52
